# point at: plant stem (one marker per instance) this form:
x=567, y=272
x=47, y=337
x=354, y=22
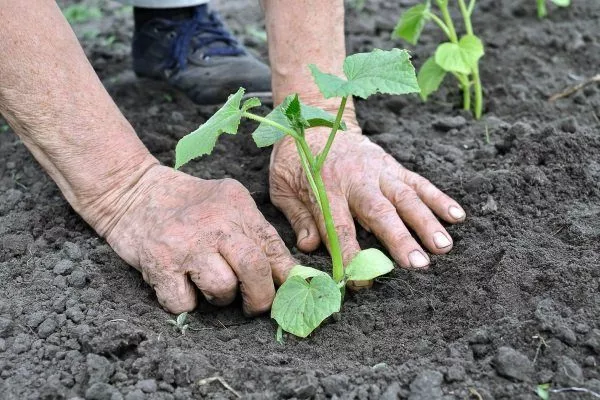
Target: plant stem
x=541, y=6
x=336, y=125
x=334, y=242
x=466, y=89
x=466, y=17
x=478, y=107
x=478, y=93
x=274, y=124
x=306, y=165
x=443, y=5
x=441, y=24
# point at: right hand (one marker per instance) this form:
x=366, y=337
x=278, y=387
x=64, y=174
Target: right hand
x=181, y=231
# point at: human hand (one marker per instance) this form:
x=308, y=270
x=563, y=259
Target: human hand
x=180, y=231
x=364, y=182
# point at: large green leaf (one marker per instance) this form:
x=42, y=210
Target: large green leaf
x=368, y=264
x=202, y=141
x=300, y=306
x=267, y=135
x=430, y=77
x=378, y=71
x=461, y=57
x=412, y=22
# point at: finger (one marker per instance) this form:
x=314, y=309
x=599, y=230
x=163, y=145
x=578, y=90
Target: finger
x=174, y=291
x=215, y=279
x=252, y=269
x=302, y=221
x=417, y=215
x=273, y=248
x=343, y=223
x=442, y=205
x=381, y=217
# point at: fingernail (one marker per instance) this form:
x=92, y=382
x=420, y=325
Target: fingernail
x=303, y=235
x=441, y=240
x=417, y=259
x=456, y=212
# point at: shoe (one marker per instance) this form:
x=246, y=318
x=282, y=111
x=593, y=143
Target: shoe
x=200, y=57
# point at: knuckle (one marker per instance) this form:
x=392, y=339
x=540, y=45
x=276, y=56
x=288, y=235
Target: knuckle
x=377, y=210
x=222, y=291
x=406, y=197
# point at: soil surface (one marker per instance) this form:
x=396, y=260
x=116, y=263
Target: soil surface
x=515, y=304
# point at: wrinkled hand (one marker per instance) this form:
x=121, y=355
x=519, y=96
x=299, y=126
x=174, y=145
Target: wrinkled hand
x=181, y=231
x=364, y=182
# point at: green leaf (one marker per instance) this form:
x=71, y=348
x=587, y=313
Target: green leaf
x=430, y=77
x=293, y=113
x=300, y=306
x=250, y=103
x=412, y=22
x=368, y=264
x=461, y=57
x=305, y=272
x=379, y=71
x=181, y=318
x=202, y=141
x=562, y=3
x=472, y=49
x=543, y=391
x=267, y=135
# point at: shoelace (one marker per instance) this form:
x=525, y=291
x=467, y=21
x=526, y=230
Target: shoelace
x=199, y=32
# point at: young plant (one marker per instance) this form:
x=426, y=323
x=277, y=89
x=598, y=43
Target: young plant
x=309, y=295
x=459, y=56
x=541, y=6
x=180, y=324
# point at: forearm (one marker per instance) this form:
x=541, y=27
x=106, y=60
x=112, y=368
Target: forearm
x=302, y=33
x=51, y=96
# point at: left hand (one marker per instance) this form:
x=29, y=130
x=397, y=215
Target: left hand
x=364, y=182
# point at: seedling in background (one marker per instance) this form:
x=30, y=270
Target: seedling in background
x=81, y=13
x=309, y=295
x=459, y=56
x=541, y=6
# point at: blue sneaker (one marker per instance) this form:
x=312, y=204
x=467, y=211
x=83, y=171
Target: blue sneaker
x=200, y=57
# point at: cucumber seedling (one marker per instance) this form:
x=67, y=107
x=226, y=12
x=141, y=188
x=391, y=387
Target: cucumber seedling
x=309, y=296
x=459, y=56
x=541, y=6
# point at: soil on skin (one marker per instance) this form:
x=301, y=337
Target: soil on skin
x=515, y=304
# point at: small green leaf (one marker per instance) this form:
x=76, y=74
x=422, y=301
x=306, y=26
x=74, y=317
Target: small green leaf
x=293, y=113
x=172, y=322
x=430, y=77
x=305, y=272
x=202, y=141
x=279, y=335
x=250, y=103
x=543, y=391
x=181, y=318
x=267, y=135
x=368, y=264
x=562, y=3
x=378, y=71
x=472, y=49
x=461, y=57
x=300, y=306
x=412, y=22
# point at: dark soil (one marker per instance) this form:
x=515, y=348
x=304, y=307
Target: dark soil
x=515, y=304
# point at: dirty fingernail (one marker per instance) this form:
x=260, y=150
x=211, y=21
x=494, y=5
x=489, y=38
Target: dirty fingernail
x=441, y=240
x=417, y=259
x=456, y=212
